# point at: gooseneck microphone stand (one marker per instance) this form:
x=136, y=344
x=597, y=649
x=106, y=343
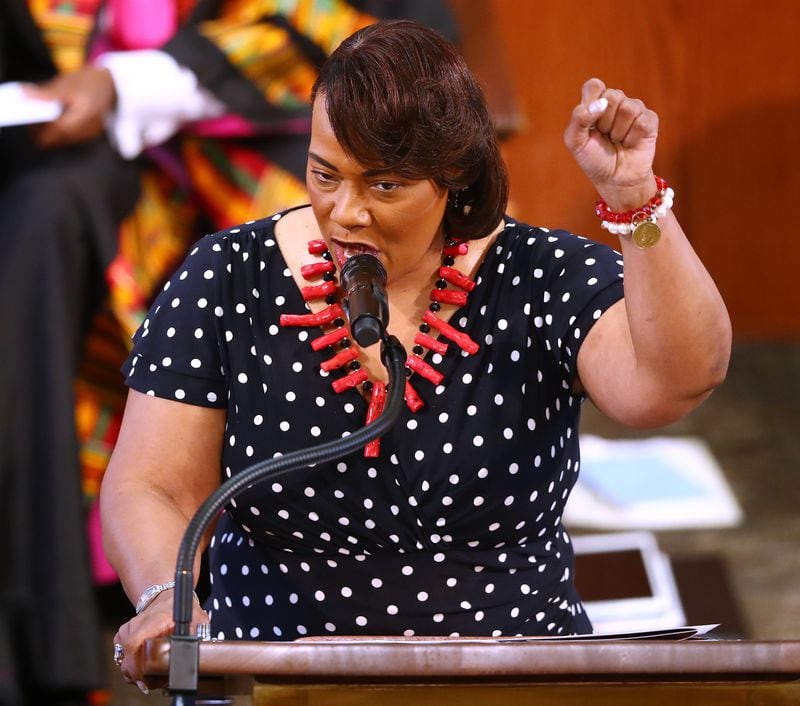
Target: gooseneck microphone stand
x=184, y=651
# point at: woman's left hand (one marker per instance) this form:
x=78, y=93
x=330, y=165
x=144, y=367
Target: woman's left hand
x=613, y=139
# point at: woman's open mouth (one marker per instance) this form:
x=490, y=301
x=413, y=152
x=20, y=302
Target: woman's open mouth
x=343, y=251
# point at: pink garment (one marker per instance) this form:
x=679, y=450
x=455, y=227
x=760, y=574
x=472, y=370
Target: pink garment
x=230, y=125
x=102, y=572
x=141, y=24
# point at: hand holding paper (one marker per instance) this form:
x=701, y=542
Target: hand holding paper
x=87, y=96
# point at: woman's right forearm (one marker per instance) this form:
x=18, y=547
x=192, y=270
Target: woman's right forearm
x=142, y=531
x=166, y=462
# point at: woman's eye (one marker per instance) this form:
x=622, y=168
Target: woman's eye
x=386, y=186
x=322, y=177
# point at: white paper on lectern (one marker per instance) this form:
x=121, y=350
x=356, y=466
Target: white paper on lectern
x=685, y=632
x=658, y=483
x=17, y=108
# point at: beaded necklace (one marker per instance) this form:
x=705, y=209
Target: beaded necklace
x=346, y=353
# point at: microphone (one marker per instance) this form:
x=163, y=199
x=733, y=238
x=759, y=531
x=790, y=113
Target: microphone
x=364, y=281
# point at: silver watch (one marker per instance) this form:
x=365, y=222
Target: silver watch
x=149, y=594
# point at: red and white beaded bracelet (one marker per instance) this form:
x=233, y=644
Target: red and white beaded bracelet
x=642, y=221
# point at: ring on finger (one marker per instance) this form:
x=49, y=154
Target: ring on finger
x=119, y=654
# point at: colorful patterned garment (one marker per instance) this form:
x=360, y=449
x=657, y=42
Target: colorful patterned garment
x=277, y=46
x=65, y=27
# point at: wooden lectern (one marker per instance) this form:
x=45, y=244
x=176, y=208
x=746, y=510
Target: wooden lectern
x=464, y=672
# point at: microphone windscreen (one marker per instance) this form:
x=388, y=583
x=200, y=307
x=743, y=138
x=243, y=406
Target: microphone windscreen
x=364, y=281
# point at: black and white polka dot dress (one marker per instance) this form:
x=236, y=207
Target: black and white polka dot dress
x=456, y=528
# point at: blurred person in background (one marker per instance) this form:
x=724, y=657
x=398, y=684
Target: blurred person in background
x=178, y=117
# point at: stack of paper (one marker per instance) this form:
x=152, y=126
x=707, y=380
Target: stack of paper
x=657, y=483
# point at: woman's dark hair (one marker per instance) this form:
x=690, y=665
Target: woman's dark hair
x=398, y=94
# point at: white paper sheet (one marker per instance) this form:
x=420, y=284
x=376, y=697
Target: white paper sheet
x=17, y=108
x=685, y=632
x=658, y=483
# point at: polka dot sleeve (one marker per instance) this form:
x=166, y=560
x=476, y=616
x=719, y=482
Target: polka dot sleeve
x=580, y=280
x=176, y=354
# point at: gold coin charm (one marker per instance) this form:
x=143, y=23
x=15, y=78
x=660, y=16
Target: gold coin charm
x=646, y=234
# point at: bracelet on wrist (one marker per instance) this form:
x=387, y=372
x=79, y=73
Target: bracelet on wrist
x=641, y=222
x=149, y=594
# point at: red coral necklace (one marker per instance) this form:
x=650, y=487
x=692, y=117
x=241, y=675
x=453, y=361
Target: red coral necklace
x=452, y=287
